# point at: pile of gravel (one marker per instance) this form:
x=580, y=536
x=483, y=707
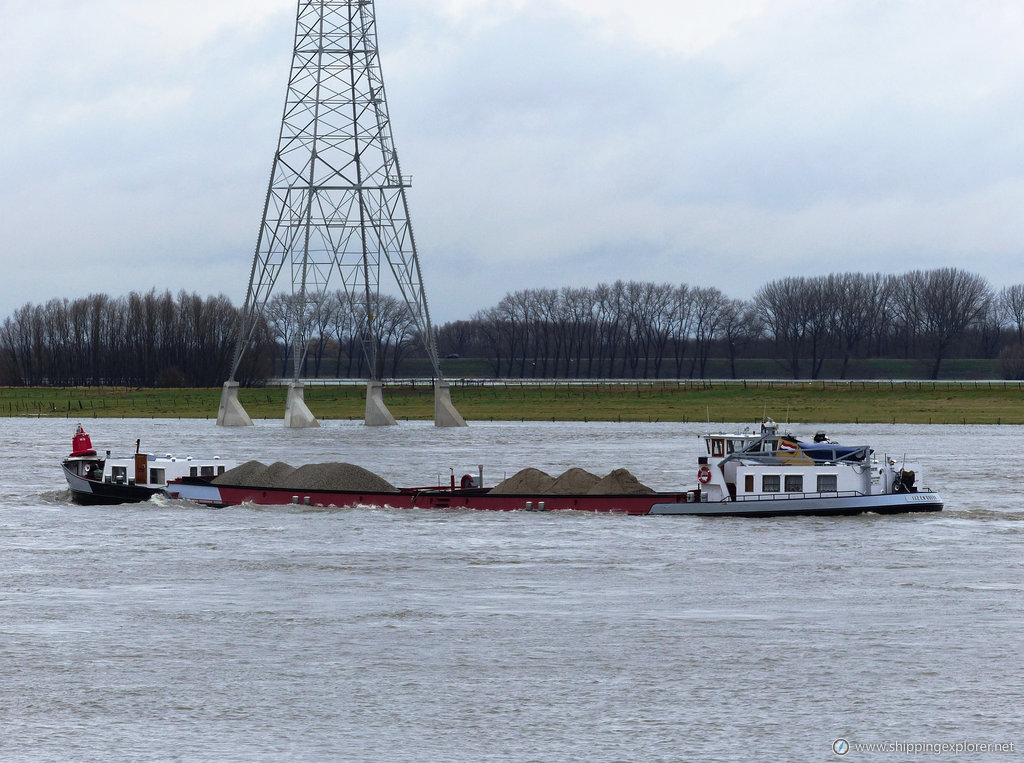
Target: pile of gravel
x=277, y=475
x=527, y=481
x=336, y=476
x=340, y=477
x=343, y=477
x=243, y=474
x=574, y=481
x=619, y=482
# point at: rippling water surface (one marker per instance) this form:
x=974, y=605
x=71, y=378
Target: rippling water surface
x=165, y=630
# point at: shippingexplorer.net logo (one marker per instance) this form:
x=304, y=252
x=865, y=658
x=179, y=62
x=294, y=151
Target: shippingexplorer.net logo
x=843, y=746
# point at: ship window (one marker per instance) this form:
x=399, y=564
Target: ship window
x=206, y=471
x=748, y=483
x=828, y=483
x=220, y=470
x=770, y=483
x=717, y=447
x=794, y=483
x=156, y=476
x=119, y=473
x=193, y=471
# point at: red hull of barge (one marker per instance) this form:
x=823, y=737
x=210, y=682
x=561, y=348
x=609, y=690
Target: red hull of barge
x=432, y=498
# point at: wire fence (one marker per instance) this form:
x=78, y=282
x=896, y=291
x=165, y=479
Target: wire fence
x=681, y=384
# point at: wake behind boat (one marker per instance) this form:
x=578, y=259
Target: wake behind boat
x=96, y=479
x=759, y=474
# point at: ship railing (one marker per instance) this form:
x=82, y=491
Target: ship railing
x=456, y=488
x=838, y=453
x=787, y=496
x=797, y=457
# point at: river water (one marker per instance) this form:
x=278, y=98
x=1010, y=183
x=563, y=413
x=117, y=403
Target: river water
x=164, y=630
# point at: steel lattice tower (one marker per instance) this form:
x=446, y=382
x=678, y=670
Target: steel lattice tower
x=336, y=205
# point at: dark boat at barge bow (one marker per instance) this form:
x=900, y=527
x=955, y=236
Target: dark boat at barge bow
x=96, y=479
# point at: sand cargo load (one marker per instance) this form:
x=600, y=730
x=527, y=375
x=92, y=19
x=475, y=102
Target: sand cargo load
x=757, y=473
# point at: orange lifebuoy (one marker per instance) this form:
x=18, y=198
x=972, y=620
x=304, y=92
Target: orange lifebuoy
x=704, y=475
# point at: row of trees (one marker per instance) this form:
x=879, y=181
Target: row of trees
x=622, y=330
x=140, y=340
x=642, y=330
x=339, y=343
x=155, y=339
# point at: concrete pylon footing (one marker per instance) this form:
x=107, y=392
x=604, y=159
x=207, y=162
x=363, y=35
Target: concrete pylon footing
x=231, y=413
x=296, y=414
x=377, y=414
x=445, y=414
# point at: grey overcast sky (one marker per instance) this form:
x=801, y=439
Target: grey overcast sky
x=551, y=142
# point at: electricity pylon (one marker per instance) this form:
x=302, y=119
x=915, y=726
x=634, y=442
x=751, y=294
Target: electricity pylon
x=336, y=205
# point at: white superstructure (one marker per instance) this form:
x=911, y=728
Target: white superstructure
x=770, y=472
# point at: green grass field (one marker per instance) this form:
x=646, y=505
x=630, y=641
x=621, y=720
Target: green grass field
x=819, y=402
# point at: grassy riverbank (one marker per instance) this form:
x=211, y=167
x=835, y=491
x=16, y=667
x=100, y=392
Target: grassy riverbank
x=825, y=402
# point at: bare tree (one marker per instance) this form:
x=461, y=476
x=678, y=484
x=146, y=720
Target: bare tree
x=951, y=300
x=682, y=325
x=907, y=311
x=344, y=328
x=858, y=303
x=611, y=323
x=575, y=322
x=489, y=322
x=282, y=319
x=541, y=310
x=321, y=320
x=708, y=306
x=396, y=327
x=987, y=331
x=1011, y=305
x=783, y=307
x=457, y=337
x=741, y=326
x=511, y=322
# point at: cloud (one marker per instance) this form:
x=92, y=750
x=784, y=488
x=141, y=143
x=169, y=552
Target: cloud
x=675, y=26
x=551, y=142
x=123, y=123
